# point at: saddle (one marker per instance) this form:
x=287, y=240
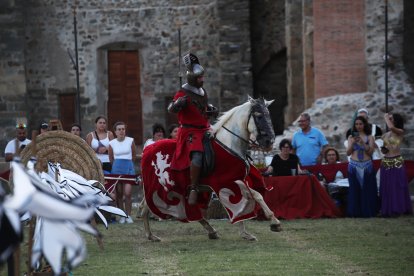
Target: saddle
x=208, y=156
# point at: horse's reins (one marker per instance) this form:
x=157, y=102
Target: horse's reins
x=250, y=141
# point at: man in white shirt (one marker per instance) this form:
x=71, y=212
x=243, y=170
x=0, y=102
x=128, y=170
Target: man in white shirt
x=15, y=146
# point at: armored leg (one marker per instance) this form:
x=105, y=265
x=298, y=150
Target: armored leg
x=195, y=169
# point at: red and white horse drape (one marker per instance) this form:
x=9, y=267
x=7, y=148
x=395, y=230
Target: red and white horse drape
x=165, y=189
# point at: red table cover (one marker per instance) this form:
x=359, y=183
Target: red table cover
x=299, y=197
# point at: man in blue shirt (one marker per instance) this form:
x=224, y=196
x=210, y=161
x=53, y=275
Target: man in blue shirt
x=308, y=142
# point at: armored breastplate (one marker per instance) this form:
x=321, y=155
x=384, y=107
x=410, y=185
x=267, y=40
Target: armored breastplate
x=200, y=100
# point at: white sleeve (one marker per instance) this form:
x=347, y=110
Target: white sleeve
x=10, y=147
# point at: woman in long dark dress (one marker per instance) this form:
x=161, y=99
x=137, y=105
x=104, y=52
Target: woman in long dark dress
x=363, y=193
x=284, y=163
x=394, y=193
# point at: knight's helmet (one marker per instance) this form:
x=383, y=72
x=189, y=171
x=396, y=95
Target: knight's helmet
x=194, y=69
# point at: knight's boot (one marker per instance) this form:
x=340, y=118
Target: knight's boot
x=194, y=175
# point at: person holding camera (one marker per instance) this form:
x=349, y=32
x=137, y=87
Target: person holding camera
x=375, y=131
x=362, y=193
x=394, y=192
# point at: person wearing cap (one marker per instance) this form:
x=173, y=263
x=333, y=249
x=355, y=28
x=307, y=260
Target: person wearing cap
x=15, y=146
x=43, y=127
x=191, y=105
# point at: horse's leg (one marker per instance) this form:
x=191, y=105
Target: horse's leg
x=212, y=233
x=244, y=234
x=141, y=207
x=145, y=219
x=274, y=222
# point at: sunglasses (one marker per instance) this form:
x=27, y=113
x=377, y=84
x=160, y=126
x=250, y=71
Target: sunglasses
x=20, y=126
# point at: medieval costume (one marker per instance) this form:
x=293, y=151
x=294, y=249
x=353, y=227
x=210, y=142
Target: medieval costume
x=394, y=192
x=191, y=105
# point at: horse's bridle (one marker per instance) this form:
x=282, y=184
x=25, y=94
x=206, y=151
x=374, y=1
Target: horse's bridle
x=257, y=123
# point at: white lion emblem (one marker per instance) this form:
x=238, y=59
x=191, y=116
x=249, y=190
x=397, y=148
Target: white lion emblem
x=160, y=167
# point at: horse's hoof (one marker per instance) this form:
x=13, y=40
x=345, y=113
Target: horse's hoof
x=276, y=227
x=154, y=238
x=249, y=237
x=213, y=236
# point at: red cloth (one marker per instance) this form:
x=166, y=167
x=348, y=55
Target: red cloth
x=5, y=175
x=329, y=171
x=299, y=197
x=165, y=189
x=189, y=139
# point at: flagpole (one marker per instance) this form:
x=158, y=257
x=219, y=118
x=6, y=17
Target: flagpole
x=75, y=31
x=386, y=56
x=179, y=57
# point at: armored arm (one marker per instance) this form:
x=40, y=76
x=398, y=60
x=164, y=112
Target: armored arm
x=212, y=111
x=177, y=105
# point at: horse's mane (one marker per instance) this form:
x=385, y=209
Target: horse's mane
x=226, y=116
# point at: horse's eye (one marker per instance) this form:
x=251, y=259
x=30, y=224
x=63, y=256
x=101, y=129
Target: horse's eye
x=258, y=114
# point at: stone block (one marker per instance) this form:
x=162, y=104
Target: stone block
x=36, y=94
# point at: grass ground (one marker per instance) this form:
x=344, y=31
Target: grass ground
x=305, y=247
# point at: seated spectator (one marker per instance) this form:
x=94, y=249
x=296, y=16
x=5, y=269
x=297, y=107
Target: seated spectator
x=331, y=156
x=76, y=129
x=173, y=131
x=285, y=163
x=15, y=146
x=158, y=133
x=338, y=189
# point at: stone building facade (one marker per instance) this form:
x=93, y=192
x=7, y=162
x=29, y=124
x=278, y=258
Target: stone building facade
x=37, y=69
x=320, y=56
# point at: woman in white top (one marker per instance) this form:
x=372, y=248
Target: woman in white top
x=99, y=142
x=122, y=153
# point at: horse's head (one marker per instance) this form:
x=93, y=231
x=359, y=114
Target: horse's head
x=261, y=125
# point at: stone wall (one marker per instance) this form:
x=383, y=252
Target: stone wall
x=216, y=31
x=408, y=43
x=12, y=70
x=333, y=114
x=35, y=67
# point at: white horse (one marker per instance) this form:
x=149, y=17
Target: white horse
x=238, y=129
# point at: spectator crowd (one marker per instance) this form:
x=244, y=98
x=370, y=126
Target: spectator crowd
x=368, y=193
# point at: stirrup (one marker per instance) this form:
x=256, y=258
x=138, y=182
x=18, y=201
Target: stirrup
x=192, y=195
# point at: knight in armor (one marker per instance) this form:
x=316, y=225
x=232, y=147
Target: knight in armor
x=191, y=105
